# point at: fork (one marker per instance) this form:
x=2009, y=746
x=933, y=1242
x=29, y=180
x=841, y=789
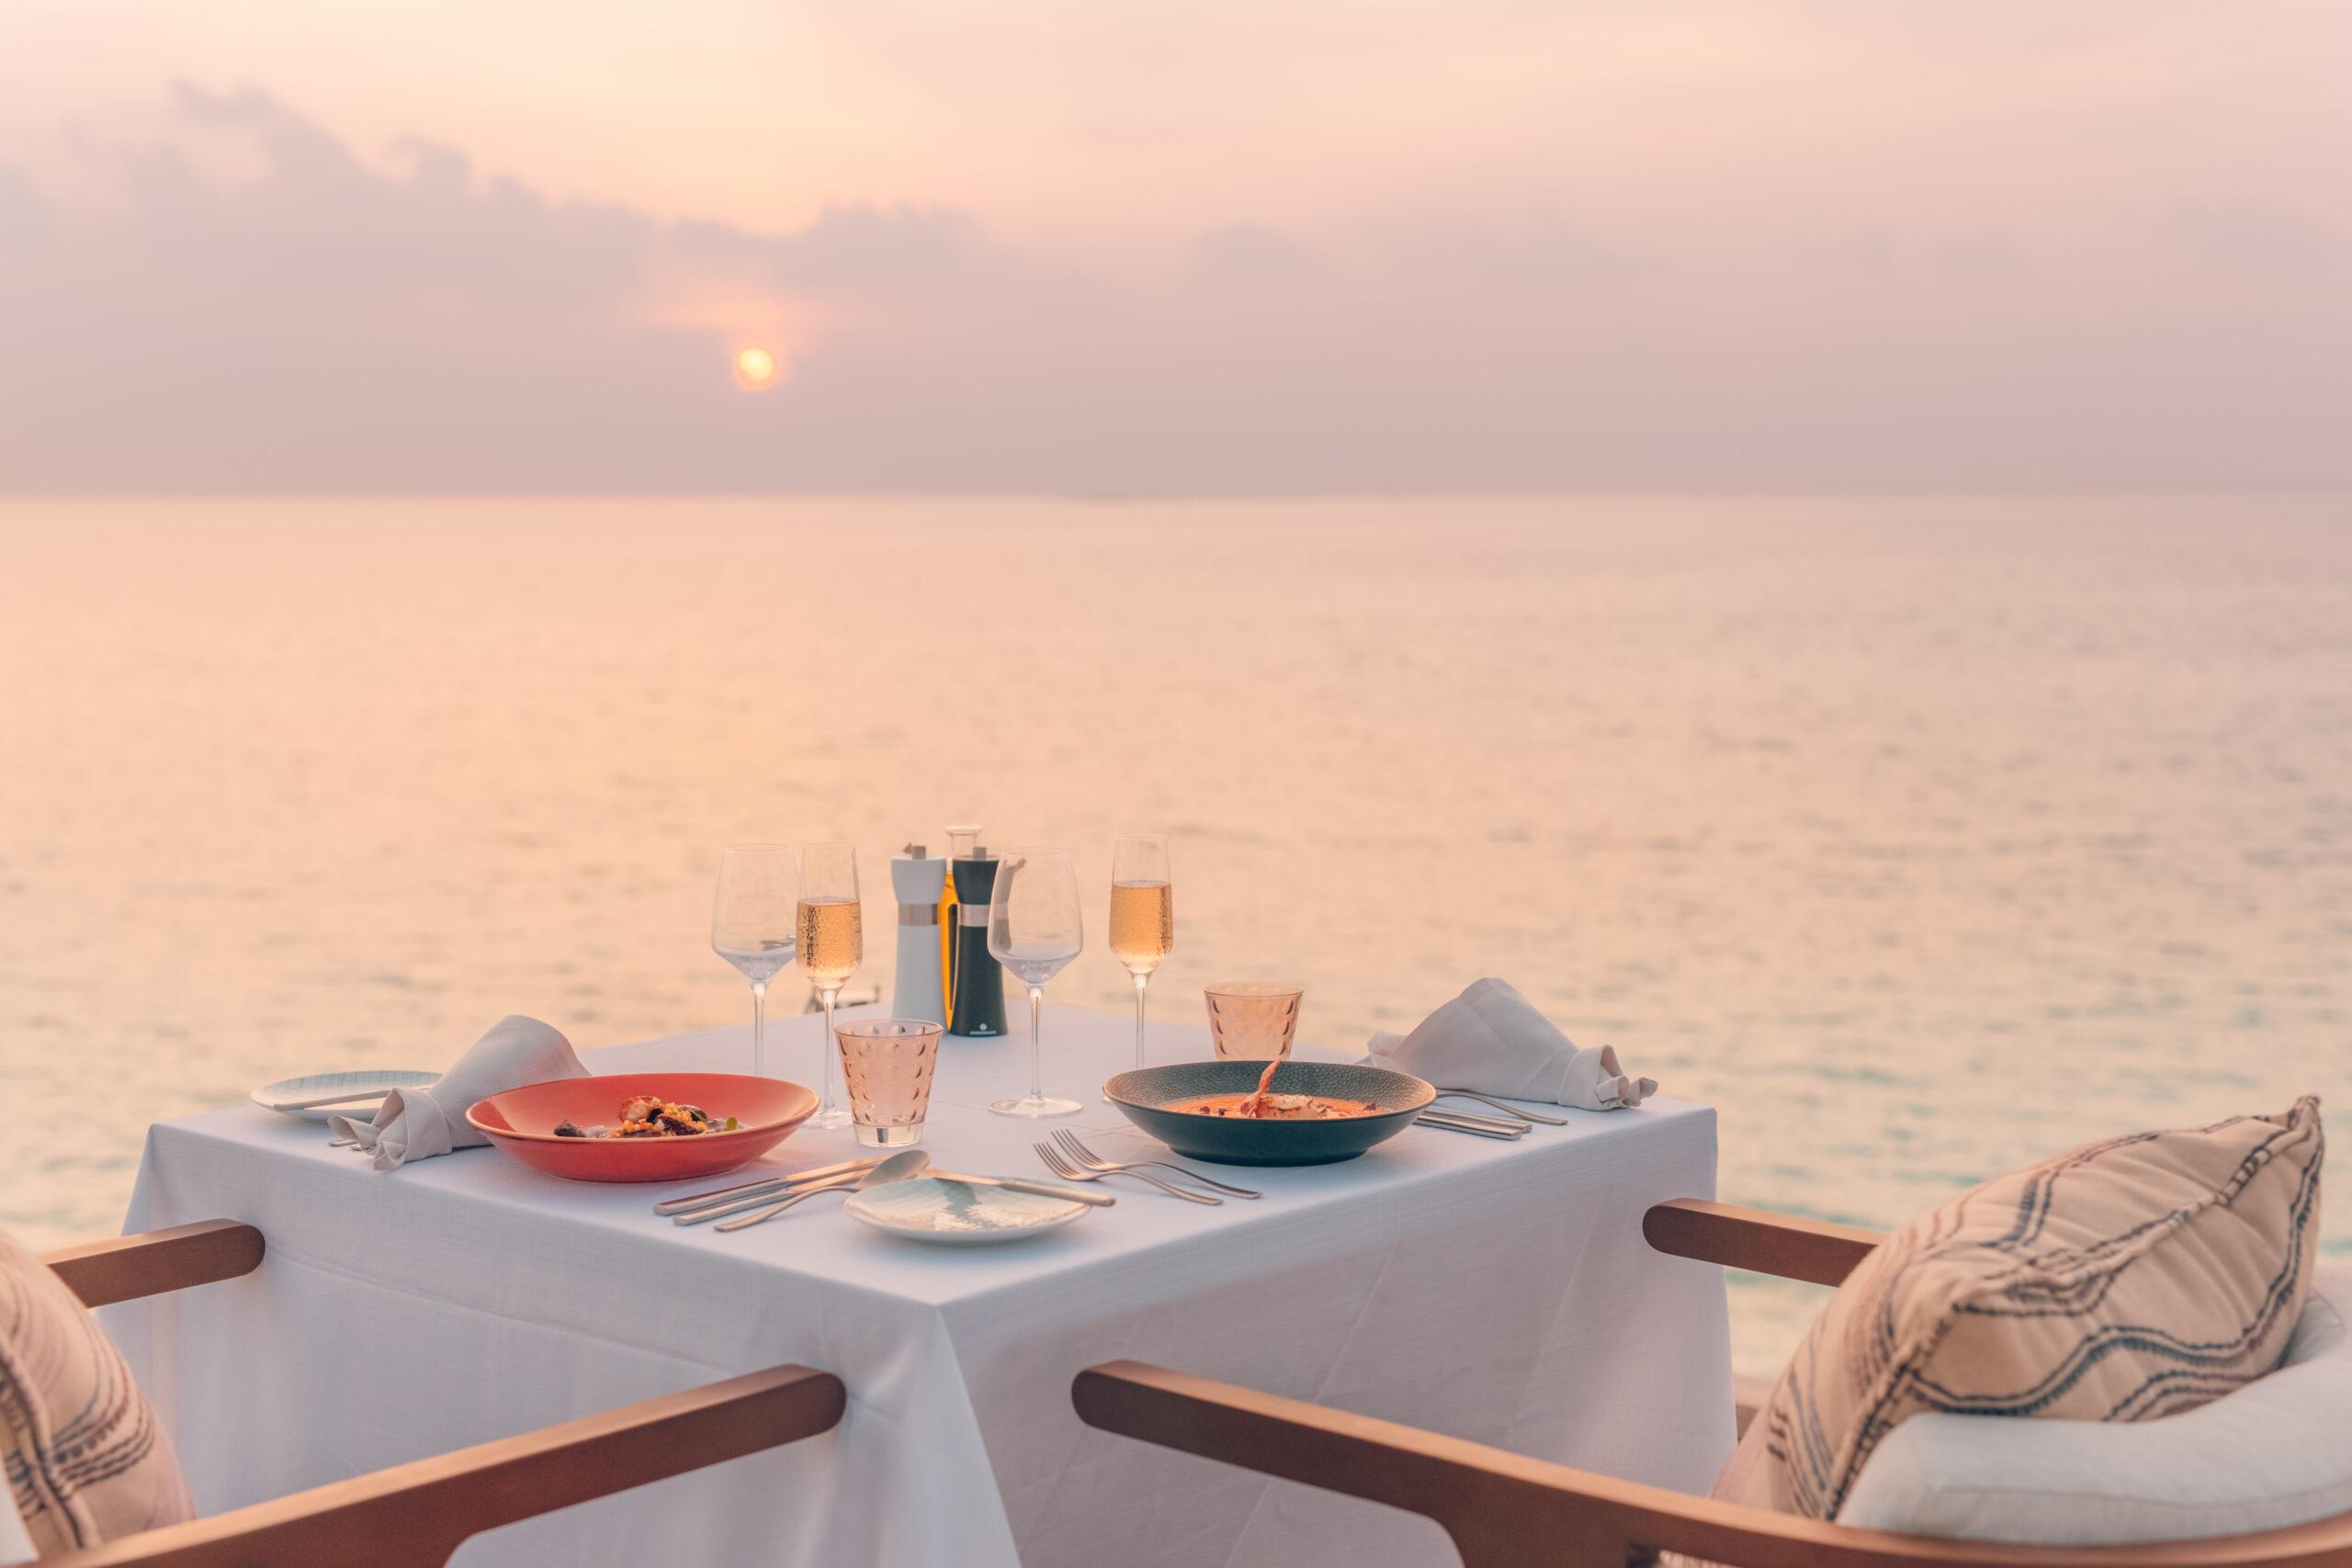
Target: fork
x=1060, y=1166
x=1506, y=1107
x=1083, y=1155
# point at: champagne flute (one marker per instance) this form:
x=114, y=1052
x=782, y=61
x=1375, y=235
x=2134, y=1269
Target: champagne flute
x=832, y=944
x=751, y=924
x=1143, y=912
x=1034, y=929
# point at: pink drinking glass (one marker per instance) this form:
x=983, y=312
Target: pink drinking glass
x=888, y=1064
x=1253, y=1019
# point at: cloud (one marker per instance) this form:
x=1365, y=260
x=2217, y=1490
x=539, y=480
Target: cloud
x=1251, y=256
x=242, y=302
x=24, y=215
x=2247, y=239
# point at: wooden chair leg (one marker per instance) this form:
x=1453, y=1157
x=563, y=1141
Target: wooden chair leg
x=415, y=1516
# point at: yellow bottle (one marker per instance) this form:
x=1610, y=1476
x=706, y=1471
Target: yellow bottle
x=959, y=847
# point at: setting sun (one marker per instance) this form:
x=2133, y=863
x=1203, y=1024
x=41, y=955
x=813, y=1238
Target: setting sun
x=754, y=370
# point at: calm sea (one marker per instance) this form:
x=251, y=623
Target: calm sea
x=1921, y=836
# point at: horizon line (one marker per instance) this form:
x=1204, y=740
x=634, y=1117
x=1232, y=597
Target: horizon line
x=2315, y=488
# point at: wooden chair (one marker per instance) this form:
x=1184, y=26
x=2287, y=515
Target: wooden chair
x=415, y=1516
x=1504, y=1510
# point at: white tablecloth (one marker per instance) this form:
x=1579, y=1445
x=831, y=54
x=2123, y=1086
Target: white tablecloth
x=1493, y=1291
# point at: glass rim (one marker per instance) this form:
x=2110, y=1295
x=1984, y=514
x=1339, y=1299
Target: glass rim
x=758, y=844
x=887, y=1027
x=1254, y=988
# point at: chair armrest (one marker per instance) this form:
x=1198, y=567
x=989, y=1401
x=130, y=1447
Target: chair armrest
x=1754, y=1238
x=151, y=1262
x=1505, y=1510
x=1502, y=1510
x=414, y=1516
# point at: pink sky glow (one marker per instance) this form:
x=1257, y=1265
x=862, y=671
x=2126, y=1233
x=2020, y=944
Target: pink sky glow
x=1105, y=245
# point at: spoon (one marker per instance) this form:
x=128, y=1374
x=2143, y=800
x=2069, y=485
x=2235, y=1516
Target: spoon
x=898, y=1168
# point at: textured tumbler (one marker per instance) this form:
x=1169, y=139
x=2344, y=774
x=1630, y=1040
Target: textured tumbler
x=1254, y=1019
x=888, y=1063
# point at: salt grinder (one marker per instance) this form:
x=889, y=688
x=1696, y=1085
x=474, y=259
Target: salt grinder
x=918, y=880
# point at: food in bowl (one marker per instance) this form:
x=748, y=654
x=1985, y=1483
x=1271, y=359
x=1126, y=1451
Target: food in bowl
x=644, y=1116
x=1161, y=1101
x=1263, y=1106
x=521, y=1123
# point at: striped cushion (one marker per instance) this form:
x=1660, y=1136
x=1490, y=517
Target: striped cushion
x=2274, y=1453
x=2122, y=1281
x=86, y=1462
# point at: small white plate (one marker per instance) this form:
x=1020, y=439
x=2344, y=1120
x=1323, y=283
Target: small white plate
x=951, y=1213
x=278, y=1096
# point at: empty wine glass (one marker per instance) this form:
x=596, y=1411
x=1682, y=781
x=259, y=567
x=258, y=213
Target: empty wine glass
x=1035, y=930
x=832, y=944
x=1143, y=912
x=751, y=924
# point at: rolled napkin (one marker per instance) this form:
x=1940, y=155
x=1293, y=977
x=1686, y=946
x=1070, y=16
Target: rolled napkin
x=1491, y=1039
x=417, y=1124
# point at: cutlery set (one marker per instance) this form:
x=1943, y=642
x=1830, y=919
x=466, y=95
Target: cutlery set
x=750, y=1204
x=1513, y=1122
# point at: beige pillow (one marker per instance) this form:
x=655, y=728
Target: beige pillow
x=84, y=1458
x=2125, y=1280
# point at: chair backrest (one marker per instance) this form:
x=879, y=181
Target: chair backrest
x=417, y=1515
x=86, y=1459
x=1505, y=1510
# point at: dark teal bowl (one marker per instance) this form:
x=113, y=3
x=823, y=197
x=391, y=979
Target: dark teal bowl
x=1145, y=1093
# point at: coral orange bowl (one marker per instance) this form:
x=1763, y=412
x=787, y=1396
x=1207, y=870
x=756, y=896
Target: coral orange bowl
x=521, y=1122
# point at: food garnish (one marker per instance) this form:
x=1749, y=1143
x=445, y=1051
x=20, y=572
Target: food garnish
x=1261, y=1105
x=644, y=1116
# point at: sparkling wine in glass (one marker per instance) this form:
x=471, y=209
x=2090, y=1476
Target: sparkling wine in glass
x=751, y=924
x=1143, y=913
x=1035, y=930
x=832, y=944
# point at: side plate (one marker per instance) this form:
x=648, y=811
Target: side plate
x=278, y=1096
x=950, y=1213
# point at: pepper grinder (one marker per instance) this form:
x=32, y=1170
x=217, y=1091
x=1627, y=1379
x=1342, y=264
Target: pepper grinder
x=977, y=989
x=917, y=880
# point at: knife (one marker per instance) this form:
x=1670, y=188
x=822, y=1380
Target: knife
x=1044, y=1189
x=1480, y=1128
x=693, y=1202
x=783, y=1191
x=1472, y=1119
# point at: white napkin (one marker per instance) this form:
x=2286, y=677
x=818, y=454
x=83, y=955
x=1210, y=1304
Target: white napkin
x=417, y=1124
x=1491, y=1039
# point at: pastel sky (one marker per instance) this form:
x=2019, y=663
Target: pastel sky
x=1149, y=246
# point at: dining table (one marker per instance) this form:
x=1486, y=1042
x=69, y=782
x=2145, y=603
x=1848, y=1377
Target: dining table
x=1493, y=1290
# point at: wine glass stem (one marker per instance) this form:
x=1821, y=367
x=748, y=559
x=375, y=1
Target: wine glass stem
x=1141, y=980
x=825, y=1105
x=759, y=1029
x=1036, y=1051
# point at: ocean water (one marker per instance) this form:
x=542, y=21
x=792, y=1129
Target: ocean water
x=1922, y=836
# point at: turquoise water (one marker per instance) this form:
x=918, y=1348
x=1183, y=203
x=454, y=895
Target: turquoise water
x=1922, y=836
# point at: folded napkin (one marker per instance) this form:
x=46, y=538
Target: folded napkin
x=1491, y=1039
x=417, y=1124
